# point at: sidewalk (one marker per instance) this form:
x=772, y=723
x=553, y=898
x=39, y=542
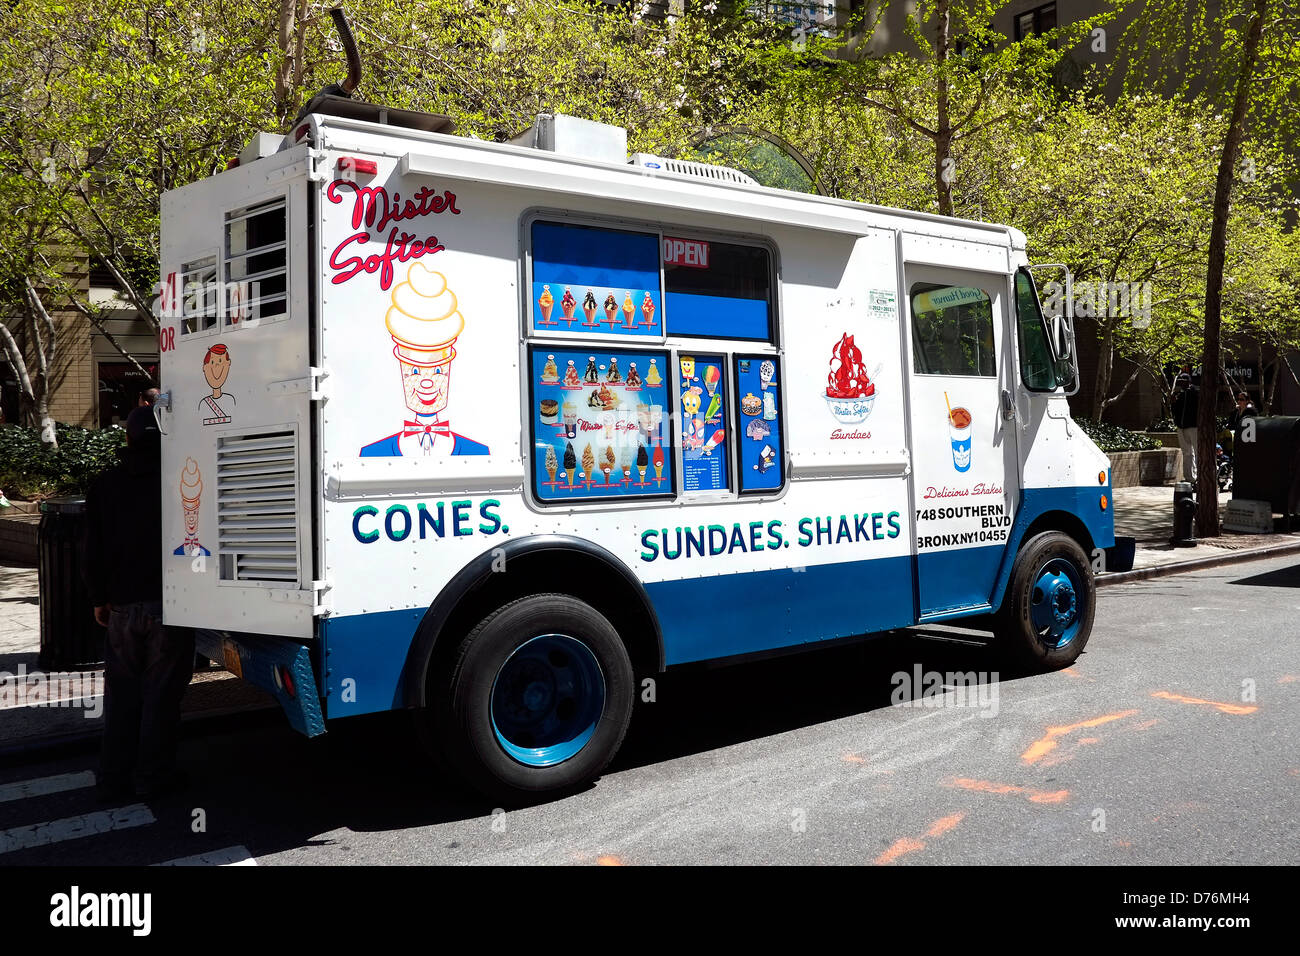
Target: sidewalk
x=68, y=705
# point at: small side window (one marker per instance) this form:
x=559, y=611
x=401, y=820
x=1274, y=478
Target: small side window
x=1037, y=366
x=952, y=330
x=257, y=258
x=199, y=291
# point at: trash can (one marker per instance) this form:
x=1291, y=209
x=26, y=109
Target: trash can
x=70, y=638
x=1268, y=468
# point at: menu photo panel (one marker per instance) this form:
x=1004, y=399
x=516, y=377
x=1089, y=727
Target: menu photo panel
x=761, y=456
x=600, y=423
x=589, y=280
x=704, y=411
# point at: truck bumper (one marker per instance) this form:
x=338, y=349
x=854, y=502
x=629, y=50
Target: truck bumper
x=278, y=665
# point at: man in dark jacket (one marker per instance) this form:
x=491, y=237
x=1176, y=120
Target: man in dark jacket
x=147, y=667
x=1186, y=400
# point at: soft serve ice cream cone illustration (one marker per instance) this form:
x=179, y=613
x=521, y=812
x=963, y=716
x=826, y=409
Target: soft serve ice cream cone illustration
x=191, y=488
x=424, y=321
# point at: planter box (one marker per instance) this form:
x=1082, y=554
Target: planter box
x=1157, y=466
x=1167, y=439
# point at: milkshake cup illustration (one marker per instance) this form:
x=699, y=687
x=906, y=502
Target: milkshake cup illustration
x=546, y=302
x=607, y=419
x=959, y=422
x=570, y=420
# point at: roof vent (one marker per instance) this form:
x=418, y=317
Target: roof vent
x=585, y=139
x=718, y=174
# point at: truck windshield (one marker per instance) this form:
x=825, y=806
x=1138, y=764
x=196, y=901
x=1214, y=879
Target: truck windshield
x=1037, y=364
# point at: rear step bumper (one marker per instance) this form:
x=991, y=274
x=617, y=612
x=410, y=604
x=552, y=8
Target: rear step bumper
x=278, y=665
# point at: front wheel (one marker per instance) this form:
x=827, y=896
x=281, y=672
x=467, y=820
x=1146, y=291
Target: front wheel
x=538, y=699
x=1046, y=615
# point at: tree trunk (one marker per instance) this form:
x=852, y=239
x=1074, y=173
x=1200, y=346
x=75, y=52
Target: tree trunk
x=943, y=163
x=1207, y=489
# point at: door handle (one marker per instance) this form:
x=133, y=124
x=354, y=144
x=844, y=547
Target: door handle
x=1008, y=405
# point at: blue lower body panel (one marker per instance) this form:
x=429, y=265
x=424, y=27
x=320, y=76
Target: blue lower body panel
x=263, y=661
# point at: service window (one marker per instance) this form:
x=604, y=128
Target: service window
x=589, y=280
x=704, y=417
x=759, y=459
x=600, y=423
x=718, y=290
x=952, y=330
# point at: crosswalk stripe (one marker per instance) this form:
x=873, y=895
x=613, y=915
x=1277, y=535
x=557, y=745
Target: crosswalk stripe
x=74, y=828
x=44, y=786
x=230, y=856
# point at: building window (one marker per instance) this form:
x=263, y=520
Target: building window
x=1036, y=22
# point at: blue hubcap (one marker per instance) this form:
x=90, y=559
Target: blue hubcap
x=547, y=700
x=1054, y=603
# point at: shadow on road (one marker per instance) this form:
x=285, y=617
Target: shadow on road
x=1281, y=578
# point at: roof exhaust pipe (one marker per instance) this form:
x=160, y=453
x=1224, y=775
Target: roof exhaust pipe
x=353, y=79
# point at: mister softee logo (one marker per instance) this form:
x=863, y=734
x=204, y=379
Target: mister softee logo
x=375, y=208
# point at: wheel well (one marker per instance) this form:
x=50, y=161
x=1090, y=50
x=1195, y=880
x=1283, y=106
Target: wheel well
x=1063, y=522
x=585, y=576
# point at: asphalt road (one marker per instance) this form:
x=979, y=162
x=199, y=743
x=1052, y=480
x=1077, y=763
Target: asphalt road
x=1171, y=741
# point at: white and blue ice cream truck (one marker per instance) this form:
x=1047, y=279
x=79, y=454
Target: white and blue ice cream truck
x=495, y=432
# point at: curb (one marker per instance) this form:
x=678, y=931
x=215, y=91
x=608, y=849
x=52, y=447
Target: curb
x=1197, y=564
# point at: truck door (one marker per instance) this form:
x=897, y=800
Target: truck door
x=966, y=474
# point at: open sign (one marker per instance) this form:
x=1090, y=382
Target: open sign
x=686, y=252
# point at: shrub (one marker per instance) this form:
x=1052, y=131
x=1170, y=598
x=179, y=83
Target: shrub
x=1114, y=438
x=30, y=470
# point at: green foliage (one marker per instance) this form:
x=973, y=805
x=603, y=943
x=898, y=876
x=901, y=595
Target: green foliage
x=29, y=469
x=1114, y=438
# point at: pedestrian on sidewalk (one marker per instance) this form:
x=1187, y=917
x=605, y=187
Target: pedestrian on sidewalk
x=147, y=667
x=1186, y=403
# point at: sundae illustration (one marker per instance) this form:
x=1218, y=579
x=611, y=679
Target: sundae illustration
x=191, y=486
x=611, y=308
x=959, y=421
x=591, y=376
x=766, y=458
x=850, y=393
x=648, y=309
x=608, y=399
x=552, y=463
x=424, y=323
x=549, y=410
x=571, y=375
x=629, y=310
x=550, y=374
x=758, y=429
x=614, y=375
x=546, y=302
x=589, y=308
x=568, y=304
x=594, y=400
x=652, y=377
x=633, y=378
x=216, y=369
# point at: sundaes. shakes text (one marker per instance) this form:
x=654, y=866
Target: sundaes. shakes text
x=374, y=208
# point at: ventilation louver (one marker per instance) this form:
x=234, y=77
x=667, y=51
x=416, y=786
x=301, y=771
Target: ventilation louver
x=257, y=507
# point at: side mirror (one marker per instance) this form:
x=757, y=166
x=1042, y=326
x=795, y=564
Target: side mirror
x=1060, y=338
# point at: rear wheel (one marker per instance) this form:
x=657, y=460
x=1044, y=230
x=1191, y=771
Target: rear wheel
x=538, y=698
x=1046, y=615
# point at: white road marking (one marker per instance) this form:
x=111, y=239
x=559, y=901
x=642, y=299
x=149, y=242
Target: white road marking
x=230, y=856
x=43, y=786
x=74, y=828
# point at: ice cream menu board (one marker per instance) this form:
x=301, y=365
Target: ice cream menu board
x=759, y=390
x=596, y=281
x=704, y=448
x=600, y=421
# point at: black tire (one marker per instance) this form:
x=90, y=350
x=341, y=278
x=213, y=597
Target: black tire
x=1018, y=640
x=461, y=712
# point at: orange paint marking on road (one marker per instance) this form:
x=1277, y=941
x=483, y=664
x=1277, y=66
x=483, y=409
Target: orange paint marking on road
x=853, y=758
x=944, y=824
x=608, y=860
x=988, y=786
x=1147, y=724
x=900, y=848
x=1236, y=709
x=1047, y=743
x=1123, y=843
x=1089, y=740
x=1288, y=679
x=1071, y=671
